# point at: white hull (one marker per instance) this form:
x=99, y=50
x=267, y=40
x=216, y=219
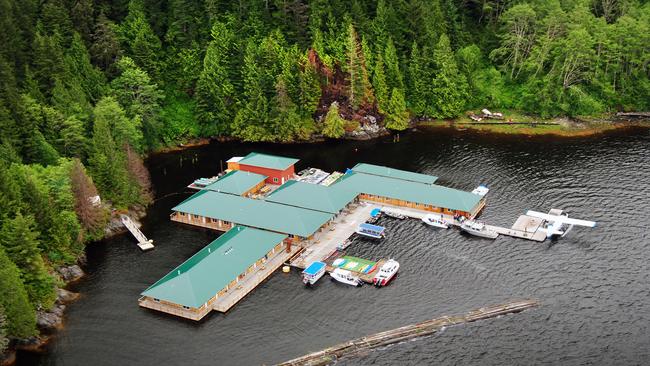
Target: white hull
x=386, y=273
x=478, y=230
x=310, y=280
x=435, y=221
x=346, y=278
x=368, y=235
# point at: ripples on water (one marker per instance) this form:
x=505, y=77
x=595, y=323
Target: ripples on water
x=593, y=284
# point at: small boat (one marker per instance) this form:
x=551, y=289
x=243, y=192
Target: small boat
x=371, y=231
x=481, y=190
x=343, y=246
x=345, y=276
x=386, y=273
x=478, y=229
x=393, y=214
x=435, y=220
x=201, y=183
x=313, y=273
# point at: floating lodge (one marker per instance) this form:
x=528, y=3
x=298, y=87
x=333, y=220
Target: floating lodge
x=269, y=217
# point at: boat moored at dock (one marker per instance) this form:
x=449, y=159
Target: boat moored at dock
x=478, y=229
x=313, y=273
x=393, y=214
x=371, y=231
x=481, y=190
x=386, y=273
x=435, y=221
x=346, y=277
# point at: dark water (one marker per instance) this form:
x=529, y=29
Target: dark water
x=593, y=284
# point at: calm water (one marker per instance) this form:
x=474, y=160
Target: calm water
x=593, y=284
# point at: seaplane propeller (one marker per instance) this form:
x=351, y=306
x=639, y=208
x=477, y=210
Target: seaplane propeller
x=559, y=224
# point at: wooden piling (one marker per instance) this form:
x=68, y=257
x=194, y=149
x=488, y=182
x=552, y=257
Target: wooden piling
x=356, y=346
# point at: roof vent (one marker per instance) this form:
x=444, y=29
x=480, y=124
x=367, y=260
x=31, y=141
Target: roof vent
x=227, y=251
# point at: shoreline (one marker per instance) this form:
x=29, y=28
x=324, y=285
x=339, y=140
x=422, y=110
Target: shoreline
x=50, y=322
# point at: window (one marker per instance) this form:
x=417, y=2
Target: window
x=186, y=307
x=275, y=180
x=156, y=300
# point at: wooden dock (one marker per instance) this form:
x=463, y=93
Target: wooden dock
x=360, y=345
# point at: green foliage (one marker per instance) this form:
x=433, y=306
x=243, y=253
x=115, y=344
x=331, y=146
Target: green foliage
x=334, y=125
x=397, y=117
x=449, y=85
x=20, y=315
x=19, y=238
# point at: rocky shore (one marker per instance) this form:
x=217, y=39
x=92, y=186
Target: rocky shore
x=50, y=321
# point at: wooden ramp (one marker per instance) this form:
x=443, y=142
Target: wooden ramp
x=143, y=242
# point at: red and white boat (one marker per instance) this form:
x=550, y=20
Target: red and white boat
x=386, y=273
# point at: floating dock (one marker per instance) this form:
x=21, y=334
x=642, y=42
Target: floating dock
x=143, y=243
x=360, y=345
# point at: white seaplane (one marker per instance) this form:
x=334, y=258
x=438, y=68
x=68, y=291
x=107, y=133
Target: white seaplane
x=558, y=222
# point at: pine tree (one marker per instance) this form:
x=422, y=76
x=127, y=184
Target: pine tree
x=394, y=77
x=142, y=43
x=310, y=89
x=21, y=318
x=105, y=48
x=215, y=92
x=19, y=237
x=419, y=84
x=379, y=84
x=140, y=96
x=359, y=89
x=449, y=87
x=89, y=214
x=334, y=124
x=397, y=116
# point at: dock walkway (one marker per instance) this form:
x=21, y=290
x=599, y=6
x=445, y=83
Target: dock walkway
x=326, y=241
x=252, y=280
x=143, y=242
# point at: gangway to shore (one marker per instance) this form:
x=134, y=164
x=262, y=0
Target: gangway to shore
x=143, y=243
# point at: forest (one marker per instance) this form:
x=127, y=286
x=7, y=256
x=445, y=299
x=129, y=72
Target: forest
x=89, y=87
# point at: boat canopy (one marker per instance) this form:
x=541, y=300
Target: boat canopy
x=371, y=228
x=314, y=268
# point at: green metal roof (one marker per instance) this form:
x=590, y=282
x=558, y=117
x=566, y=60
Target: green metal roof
x=203, y=275
x=253, y=212
x=236, y=182
x=429, y=194
x=268, y=161
x=312, y=196
x=384, y=171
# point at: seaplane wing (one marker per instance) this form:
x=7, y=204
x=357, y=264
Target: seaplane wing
x=561, y=219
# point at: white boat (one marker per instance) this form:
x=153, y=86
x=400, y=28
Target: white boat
x=345, y=276
x=393, y=214
x=371, y=231
x=313, y=273
x=435, y=220
x=478, y=229
x=386, y=273
x=481, y=190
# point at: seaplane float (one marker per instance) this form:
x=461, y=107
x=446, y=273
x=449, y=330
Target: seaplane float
x=558, y=223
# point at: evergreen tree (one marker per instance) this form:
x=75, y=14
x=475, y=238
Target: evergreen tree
x=215, y=92
x=19, y=237
x=419, y=84
x=394, y=77
x=397, y=117
x=21, y=318
x=379, y=84
x=449, y=87
x=105, y=48
x=141, y=98
x=359, y=89
x=334, y=123
x=142, y=43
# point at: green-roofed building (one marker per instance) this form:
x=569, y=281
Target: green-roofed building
x=221, y=211
x=278, y=169
x=238, y=182
x=313, y=196
x=427, y=197
x=384, y=171
x=190, y=289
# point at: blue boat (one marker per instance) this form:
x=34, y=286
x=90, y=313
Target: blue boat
x=313, y=273
x=371, y=231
